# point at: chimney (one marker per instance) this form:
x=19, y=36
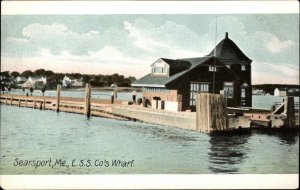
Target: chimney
x=226, y=35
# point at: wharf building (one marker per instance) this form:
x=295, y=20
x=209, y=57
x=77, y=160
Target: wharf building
x=175, y=82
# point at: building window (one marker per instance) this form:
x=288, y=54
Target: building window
x=154, y=89
x=243, y=93
x=229, y=89
x=228, y=66
x=160, y=70
x=196, y=88
x=243, y=67
x=212, y=68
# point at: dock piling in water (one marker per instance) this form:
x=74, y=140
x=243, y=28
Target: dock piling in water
x=211, y=114
x=87, y=100
x=57, y=98
x=44, y=104
x=289, y=111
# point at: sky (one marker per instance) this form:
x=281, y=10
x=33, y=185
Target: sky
x=129, y=43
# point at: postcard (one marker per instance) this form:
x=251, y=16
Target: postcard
x=151, y=94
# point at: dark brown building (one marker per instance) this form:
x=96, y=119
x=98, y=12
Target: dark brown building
x=176, y=82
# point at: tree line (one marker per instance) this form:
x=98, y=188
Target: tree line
x=56, y=78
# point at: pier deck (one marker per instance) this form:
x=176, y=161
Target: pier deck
x=238, y=118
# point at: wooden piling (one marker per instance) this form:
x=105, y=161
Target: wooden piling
x=26, y=102
x=6, y=101
x=273, y=108
x=34, y=103
x=44, y=104
x=289, y=110
x=11, y=100
x=211, y=113
x=19, y=104
x=87, y=100
x=57, y=98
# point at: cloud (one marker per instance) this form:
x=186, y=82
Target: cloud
x=132, y=45
x=277, y=46
x=269, y=43
x=168, y=39
x=278, y=73
x=55, y=37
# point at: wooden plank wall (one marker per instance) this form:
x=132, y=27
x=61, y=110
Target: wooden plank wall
x=211, y=114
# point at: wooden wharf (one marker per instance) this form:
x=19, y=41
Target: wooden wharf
x=212, y=114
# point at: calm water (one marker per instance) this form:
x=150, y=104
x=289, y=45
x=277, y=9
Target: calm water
x=29, y=134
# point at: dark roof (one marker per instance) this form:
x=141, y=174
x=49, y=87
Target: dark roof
x=161, y=81
x=176, y=62
x=227, y=50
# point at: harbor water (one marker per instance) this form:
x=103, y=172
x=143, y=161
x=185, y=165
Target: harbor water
x=46, y=142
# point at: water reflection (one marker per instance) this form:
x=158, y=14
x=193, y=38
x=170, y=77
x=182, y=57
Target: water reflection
x=288, y=138
x=227, y=152
x=285, y=137
x=163, y=133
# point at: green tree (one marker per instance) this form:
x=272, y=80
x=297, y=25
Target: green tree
x=86, y=78
x=5, y=78
x=27, y=73
x=40, y=72
x=49, y=73
x=15, y=74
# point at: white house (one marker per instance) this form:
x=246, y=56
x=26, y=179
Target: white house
x=280, y=92
x=35, y=82
x=20, y=79
x=71, y=82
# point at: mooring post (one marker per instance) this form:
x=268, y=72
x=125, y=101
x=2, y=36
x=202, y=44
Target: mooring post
x=273, y=108
x=11, y=100
x=34, y=103
x=19, y=103
x=6, y=101
x=44, y=104
x=57, y=98
x=289, y=110
x=87, y=100
x=26, y=103
x=211, y=113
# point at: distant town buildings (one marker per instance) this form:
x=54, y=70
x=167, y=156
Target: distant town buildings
x=258, y=92
x=19, y=80
x=280, y=92
x=285, y=91
x=34, y=82
x=71, y=82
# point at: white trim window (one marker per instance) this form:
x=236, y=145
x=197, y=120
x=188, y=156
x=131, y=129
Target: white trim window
x=196, y=88
x=243, y=67
x=212, y=68
x=229, y=90
x=160, y=70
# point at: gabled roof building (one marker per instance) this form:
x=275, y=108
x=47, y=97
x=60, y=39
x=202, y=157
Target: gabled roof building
x=175, y=82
